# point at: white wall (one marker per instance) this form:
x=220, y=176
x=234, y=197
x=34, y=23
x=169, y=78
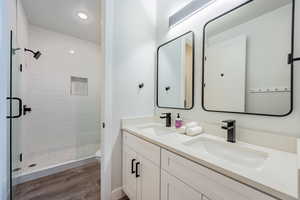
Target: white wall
x=107, y=139
x=285, y=126
x=4, y=63
x=60, y=127
x=133, y=61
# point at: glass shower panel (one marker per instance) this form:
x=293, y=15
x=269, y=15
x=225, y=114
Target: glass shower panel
x=15, y=112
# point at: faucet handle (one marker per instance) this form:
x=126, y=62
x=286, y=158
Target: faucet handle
x=227, y=127
x=167, y=114
x=229, y=122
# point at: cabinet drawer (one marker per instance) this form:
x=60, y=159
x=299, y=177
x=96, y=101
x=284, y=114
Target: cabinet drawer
x=213, y=185
x=144, y=148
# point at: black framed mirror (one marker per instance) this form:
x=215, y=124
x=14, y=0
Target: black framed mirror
x=246, y=53
x=175, y=73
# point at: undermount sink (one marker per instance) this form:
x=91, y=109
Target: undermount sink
x=231, y=152
x=156, y=129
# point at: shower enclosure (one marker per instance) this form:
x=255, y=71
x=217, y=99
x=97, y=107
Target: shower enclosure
x=63, y=127
x=54, y=93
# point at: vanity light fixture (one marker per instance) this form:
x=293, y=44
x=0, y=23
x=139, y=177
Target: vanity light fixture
x=82, y=15
x=187, y=11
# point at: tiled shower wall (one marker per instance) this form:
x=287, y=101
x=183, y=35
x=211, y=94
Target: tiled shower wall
x=61, y=127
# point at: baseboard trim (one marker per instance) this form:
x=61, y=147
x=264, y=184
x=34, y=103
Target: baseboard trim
x=52, y=170
x=117, y=194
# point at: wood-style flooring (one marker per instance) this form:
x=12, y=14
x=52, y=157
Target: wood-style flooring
x=81, y=183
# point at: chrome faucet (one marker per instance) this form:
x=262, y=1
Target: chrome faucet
x=168, y=117
x=230, y=127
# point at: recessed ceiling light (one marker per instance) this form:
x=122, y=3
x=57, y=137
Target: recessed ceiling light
x=71, y=51
x=82, y=15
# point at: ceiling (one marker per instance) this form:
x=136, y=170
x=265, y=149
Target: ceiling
x=61, y=16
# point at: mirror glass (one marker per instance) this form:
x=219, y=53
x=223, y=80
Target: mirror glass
x=245, y=59
x=175, y=73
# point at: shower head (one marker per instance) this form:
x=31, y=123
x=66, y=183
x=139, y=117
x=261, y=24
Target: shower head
x=36, y=55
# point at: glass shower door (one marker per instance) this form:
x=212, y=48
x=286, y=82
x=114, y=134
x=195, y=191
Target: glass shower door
x=14, y=113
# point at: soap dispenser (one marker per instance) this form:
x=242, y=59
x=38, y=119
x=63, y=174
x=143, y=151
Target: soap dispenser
x=178, y=121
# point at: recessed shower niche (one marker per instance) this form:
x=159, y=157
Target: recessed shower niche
x=79, y=86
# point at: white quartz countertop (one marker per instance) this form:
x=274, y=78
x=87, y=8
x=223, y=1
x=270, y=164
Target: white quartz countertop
x=277, y=177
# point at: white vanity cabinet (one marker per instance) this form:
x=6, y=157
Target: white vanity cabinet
x=129, y=176
x=163, y=175
x=210, y=184
x=141, y=169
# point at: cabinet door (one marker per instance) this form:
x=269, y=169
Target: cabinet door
x=174, y=189
x=129, y=179
x=148, y=180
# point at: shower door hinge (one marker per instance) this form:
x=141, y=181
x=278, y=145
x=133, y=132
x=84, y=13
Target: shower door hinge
x=103, y=124
x=291, y=59
x=21, y=157
x=21, y=67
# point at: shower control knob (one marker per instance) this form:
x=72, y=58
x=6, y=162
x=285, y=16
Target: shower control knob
x=26, y=109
